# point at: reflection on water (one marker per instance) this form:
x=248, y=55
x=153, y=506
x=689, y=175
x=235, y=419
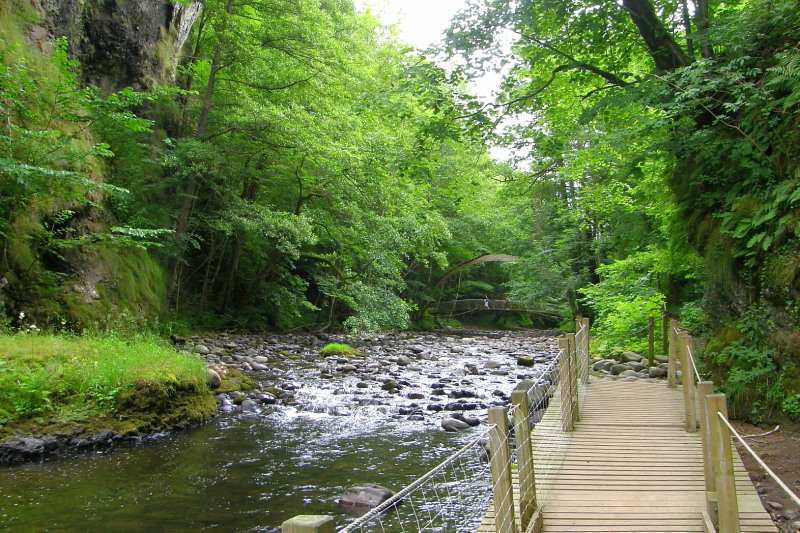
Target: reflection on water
x=233, y=474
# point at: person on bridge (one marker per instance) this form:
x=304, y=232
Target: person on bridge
x=486, y=302
x=508, y=302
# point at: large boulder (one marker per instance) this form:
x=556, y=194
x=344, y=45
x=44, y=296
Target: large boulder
x=630, y=357
x=453, y=424
x=619, y=369
x=366, y=495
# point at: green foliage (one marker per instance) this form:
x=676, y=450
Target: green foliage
x=334, y=348
x=624, y=299
x=750, y=372
x=71, y=378
x=692, y=316
x=791, y=406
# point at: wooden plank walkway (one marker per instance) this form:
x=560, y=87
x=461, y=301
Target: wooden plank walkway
x=630, y=466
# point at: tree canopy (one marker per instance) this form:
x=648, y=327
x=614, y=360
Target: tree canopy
x=305, y=168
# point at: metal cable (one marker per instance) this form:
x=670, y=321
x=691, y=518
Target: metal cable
x=376, y=511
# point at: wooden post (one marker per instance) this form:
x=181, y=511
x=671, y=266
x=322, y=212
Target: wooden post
x=664, y=330
x=672, y=369
x=722, y=456
x=573, y=377
x=651, y=347
x=687, y=381
x=586, y=349
x=502, y=490
x=564, y=384
x=308, y=524
x=522, y=434
x=705, y=388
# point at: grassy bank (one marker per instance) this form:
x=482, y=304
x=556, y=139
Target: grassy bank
x=54, y=382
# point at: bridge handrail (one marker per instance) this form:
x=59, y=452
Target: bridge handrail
x=478, y=304
x=557, y=392
x=716, y=432
x=758, y=459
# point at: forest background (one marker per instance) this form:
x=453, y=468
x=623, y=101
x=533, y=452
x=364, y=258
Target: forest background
x=278, y=165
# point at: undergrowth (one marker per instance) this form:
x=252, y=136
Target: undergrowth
x=70, y=378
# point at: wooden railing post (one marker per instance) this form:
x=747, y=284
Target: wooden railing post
x=502, y=491
x=565, y=383
x=582, y=323
x=308, y=524
x=651, y=341
x=664, y=330
x=722, y=456
x=705, y=388
x=522, y=434
x=573, y=377
x=672, y=368
x=687, y=381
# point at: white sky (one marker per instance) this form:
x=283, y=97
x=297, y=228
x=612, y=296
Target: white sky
x=421, y=22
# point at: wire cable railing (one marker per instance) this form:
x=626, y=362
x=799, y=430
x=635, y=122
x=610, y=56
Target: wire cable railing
x=474, y=488
x=450, y=496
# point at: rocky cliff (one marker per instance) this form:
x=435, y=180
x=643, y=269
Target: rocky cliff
x=120, y=43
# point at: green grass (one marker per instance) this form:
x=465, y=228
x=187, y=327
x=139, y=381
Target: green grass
x=54, y=378
x=336, y=348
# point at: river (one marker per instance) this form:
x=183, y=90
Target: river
x=250, y=472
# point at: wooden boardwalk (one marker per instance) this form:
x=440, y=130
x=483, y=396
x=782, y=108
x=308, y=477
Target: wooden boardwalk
x=630, y=466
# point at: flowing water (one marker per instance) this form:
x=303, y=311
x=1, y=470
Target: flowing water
x=237, y=473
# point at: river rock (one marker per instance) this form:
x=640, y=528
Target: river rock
x=470, y=420
x=492, y=364
x=638, y=367
x=630, y=357
x=366, y=495
x=453, y=424
x=213, y=378
x=657, y=372
x=619, y=369
x=202, y=349
x=603, y=364
x=403, y=360
x=526, y=360
x=26, y=446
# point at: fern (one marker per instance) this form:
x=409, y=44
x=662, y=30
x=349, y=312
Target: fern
x=785, y=78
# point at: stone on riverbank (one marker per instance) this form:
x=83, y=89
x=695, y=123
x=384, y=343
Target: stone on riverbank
x=452, y=424
x=630, y=357
x=367, y=495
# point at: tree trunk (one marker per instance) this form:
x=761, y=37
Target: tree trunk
x=687, y=24
x=190, y=187
x=663, y=49
x=701, y=21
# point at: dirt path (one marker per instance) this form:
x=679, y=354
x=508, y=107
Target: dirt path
x=781, y=452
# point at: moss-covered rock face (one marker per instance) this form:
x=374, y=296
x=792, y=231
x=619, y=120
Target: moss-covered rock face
x=233, y=381
x=721, y=338
x=145, y=409
x=156, y=406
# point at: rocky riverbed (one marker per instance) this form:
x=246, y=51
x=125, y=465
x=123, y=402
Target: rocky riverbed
x=424, y=378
